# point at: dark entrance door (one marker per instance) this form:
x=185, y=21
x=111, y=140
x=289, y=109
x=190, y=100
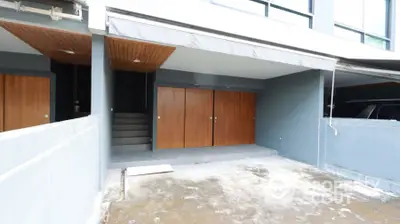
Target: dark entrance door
x=130, y=92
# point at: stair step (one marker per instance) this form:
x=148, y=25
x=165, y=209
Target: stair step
x=129, y=115
x=121, y=134
x=131, y=141
x=130, y=120
x=134, y=148
x=130, y=127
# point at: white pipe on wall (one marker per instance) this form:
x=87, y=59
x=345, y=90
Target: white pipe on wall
x=331, y=103
x=54, y=12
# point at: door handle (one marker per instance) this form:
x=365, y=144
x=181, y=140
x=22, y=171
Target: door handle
x=158, y=117
x=46, y=116
x=215, y=120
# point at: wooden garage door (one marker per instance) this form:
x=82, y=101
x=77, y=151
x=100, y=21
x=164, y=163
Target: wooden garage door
x=1, y=102
x=171, y=117
x=26, y=101
x=198, y=118
x=247, y=116
x=234, y=118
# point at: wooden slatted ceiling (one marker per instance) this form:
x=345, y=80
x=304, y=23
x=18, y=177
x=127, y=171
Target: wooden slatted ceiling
x=123, y=52
x=53, y=43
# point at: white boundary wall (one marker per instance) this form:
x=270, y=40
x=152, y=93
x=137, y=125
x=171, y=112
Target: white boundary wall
x=50, y=173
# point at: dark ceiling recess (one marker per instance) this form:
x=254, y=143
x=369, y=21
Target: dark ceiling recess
x=376, y=63
x=81, y=2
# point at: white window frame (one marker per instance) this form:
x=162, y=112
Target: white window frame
x=362, y=31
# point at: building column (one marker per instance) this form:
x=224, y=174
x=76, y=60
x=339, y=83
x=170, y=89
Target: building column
x=324, y=18
x=101, y=100
x=97, y=16
x=394, y=34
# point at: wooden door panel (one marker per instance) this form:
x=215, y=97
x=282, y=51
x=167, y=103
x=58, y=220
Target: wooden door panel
x=198, y=118
x=247, y=117
x=171, y=117
x=26, y=101
x=1, y=102
x=225, y=127
x=234, y=123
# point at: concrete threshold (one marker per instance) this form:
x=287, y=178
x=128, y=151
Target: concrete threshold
x=189, y=155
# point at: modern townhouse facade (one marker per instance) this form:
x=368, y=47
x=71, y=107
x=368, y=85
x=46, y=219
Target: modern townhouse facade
x=85, y=86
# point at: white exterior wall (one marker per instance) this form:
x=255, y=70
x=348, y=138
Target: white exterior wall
x=50, y=173
x=202, y=13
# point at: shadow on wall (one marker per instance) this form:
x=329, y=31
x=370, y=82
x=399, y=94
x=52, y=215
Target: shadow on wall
x=288, y=113
x=73, y=90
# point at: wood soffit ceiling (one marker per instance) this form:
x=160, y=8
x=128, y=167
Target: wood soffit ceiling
x=137, y=56
x=55, y=44
x=129, y=55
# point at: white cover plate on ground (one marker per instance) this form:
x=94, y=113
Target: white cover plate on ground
x=144, y=170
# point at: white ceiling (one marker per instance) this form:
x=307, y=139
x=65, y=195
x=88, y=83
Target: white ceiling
x=207, y=62
x=10, y=43
x=344, y=79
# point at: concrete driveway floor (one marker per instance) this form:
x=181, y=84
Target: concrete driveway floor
x=266, y=190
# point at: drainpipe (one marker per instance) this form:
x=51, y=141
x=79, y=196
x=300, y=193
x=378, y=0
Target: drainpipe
x=145, y=92
x=55, y=12
x=331, y=103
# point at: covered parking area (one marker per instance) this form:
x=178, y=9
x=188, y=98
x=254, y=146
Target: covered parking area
x=215, y=90
x=359, y=135
x=291, y=89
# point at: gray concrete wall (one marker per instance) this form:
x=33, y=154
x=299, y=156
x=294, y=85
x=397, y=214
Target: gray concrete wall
x=364, y=150
x=49, y=173
x=102, y=97
x=166, y=77
x=17, y=62
x=288, y=115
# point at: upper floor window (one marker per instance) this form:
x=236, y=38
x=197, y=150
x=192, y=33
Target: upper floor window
x=297, y=12
x=366, y=21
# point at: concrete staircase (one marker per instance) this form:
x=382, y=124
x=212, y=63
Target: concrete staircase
x=131, y=132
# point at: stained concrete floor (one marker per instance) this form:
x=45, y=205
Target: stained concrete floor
x=268, y=190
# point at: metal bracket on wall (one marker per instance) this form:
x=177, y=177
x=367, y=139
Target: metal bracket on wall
x=55, y=13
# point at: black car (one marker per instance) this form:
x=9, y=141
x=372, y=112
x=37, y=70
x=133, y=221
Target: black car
x=383, y=109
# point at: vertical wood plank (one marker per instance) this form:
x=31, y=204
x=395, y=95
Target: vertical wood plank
x=225, y=127
x=198, y=111
x=27, y=101
x=247, y=117
x=171, y=117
